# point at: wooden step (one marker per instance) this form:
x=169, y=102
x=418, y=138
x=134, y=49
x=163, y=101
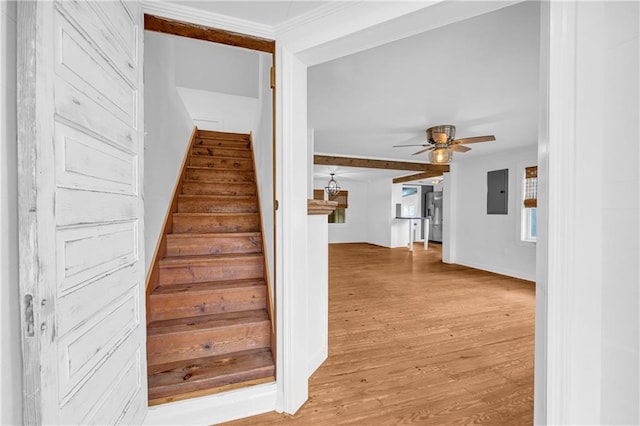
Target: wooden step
x=214, y=151
x=213, y=243
x=233, y=163
x=213, y=297
x=215, y=222
x=207, y=174
x=213, y=134
x=218, y=267
x=217, y=204
x=222, y=143
x=217, y=188
x=209, y=335
x=173, y=381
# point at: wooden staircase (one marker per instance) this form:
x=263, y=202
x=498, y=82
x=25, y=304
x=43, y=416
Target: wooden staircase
x=209, y=326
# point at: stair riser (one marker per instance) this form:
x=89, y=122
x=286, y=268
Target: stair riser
x=222, y=143
x=215, y=175
x=216, y=382
x=215, y=151
x=212, y=271
x=204, y=188
x=213, y=245
x=198, y=205
x=221, y=163
x=206, y=224
x=193, y=304
x=188, y=345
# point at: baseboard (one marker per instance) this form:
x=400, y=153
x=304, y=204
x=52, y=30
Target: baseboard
x=217, y=408
x=316, y=360
x=496, y=270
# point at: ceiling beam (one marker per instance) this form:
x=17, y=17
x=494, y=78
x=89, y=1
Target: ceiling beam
x=201, y=32
x=328, y=160
x=418, y=176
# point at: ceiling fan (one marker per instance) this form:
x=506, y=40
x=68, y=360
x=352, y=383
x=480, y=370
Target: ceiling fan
x=441, y=143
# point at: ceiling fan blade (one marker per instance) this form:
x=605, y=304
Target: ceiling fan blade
x=423, y=150
x=399, y=146
x=460, y=148
x=476, y=139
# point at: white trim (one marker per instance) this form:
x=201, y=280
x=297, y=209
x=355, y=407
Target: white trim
x=216, y=408
x=292, y=283
x=311, y=16
x=540, y=345
x=559, y=155
x=316, y=359
x=202, y=17
x=496, y=270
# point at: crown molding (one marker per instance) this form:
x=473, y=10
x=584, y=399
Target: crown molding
x=313, y=15
x=169, y=10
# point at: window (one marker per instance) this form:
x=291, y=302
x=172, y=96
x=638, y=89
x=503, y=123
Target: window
x=339, y=215
x=530, y=205
x=408, y=210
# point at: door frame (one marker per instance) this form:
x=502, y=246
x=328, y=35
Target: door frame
x=163, y=25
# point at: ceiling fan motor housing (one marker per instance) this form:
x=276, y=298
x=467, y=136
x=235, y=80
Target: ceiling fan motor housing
x=441, y=134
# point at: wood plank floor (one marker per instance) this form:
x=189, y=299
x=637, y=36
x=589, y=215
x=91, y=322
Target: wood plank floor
x=415, y=341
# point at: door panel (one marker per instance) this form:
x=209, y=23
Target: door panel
x=81, y=209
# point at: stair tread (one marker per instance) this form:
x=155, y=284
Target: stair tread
x=243, y=182
x=205, y=258
x=222, y=135
x=208, y=286
x=227, y=169
x=204, y=214
x=226, y=157
x=213, y=235
x=217, y=196
x=188, y=376
x=239, y=145
x=192, y=325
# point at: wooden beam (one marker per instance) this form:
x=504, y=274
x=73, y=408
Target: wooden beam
x=201, y=32
x=418, y=176
x=328, y=160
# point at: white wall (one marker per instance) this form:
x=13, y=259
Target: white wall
x=607, y=109
x=215, y=67
x=318, y=299
x=399, y=227
x=355, y=228
x=168, y=127
x=292, y=257
x=220, y=111
x=263, y=152
x=491, y=242
x=379, y=212
x=10, y=354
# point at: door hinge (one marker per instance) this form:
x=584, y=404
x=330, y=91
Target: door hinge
x=272, y=71
x=28, y=315
x=276, y=204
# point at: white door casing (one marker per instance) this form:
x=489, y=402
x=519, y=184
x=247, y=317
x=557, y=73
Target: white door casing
x=80, y=152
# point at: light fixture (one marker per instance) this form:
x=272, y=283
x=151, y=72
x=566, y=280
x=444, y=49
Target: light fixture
x=332, y=187
x=441, y=155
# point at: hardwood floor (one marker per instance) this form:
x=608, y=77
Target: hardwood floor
x=412, y=340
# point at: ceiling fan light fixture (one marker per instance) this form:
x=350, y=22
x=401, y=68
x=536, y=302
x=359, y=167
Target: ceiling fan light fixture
x=440, y=156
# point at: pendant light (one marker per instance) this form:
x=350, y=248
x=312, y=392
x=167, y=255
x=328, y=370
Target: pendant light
x=332, y=187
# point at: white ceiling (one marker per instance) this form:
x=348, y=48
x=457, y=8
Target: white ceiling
x=270, y=13
x=480, y=75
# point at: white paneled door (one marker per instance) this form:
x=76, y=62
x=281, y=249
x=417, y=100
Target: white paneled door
x=80, y=204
